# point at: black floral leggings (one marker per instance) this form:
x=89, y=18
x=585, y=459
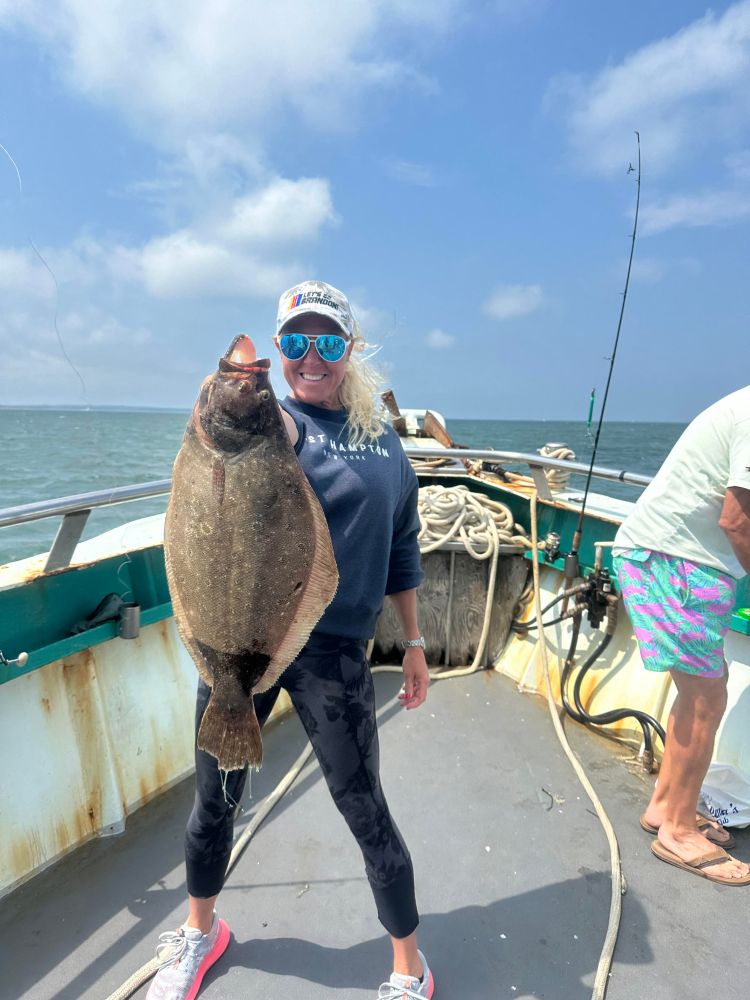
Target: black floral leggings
x=331, y=688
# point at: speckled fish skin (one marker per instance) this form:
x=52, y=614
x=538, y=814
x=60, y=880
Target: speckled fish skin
x=249, y=558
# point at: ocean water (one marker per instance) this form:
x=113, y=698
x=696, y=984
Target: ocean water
x=54, y=453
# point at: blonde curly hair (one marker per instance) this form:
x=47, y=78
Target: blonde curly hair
x=359, y=394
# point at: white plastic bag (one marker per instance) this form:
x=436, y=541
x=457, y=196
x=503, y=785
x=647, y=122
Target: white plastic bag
x=725, y=795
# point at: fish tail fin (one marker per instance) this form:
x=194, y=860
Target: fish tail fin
x=231, y=733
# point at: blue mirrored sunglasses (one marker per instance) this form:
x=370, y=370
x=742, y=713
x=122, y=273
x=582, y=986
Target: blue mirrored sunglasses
x=330, y=346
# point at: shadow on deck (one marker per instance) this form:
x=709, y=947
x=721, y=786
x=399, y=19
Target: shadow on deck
x=511, y=865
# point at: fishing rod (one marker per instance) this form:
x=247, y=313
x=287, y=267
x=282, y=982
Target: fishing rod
x=571, y=560
x=43, y=261
x=597, y=595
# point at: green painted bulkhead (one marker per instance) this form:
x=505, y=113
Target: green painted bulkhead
x=38, y=614
x=40, y=610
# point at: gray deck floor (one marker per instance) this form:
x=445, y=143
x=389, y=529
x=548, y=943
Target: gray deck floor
x=511, y=865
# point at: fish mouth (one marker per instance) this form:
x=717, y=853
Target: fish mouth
x=242, y=357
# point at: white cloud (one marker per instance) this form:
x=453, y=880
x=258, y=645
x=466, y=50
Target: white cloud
x=90, y=327
x=182, y=265
x=508, y=301
x=439, y=340
x=236, y=252
x=234, y=249
x=712, y=208
x=409, y=173
x=681, y=93
x=93, y=345
x=215, y=68
x=21, y=272
x=283, y=211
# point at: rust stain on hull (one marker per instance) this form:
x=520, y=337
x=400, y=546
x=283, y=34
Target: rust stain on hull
x=79, y=677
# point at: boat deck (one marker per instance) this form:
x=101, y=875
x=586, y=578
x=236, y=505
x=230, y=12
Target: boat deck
x=511, y=863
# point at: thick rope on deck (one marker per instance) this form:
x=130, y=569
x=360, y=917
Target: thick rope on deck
x=618, y=882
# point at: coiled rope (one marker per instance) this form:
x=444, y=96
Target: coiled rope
x=557, y=479
x=450, y=513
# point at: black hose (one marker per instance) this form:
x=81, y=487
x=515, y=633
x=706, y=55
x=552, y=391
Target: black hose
x=527, y=626
x=579, y=713
x=605, y=718
x=517, y=624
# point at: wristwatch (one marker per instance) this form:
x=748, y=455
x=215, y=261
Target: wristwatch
x=408, y=643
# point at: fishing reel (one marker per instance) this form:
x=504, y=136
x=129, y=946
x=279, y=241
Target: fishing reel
x=597, y=595
x=551, y=547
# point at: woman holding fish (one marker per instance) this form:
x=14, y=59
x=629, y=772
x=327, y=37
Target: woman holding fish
x=303, y=517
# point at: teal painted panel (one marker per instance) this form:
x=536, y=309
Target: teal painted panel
x=37, y=617
x=84, y=640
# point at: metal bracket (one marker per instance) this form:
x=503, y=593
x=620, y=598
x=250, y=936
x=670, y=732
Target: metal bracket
x=67, y=537
x=540, y=481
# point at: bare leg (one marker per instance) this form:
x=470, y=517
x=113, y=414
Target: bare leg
x=201, y=912
x=657, y=808
x=406, y=961
x=691, y=731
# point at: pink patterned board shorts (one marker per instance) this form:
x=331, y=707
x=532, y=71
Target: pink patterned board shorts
x=680, y=610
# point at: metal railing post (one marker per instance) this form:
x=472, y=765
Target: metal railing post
x=67, y=537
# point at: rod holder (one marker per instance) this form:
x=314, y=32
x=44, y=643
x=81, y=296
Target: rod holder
x=129, y=621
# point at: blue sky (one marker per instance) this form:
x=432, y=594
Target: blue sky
x=458, y=169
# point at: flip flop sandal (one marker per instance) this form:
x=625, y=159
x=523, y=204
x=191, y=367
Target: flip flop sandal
x=705, y=826
x=701, y=865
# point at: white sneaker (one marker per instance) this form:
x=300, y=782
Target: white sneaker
x=401, y=987
x=185, y=956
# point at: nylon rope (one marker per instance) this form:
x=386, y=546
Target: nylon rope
x=557, y=479
x=618, y=881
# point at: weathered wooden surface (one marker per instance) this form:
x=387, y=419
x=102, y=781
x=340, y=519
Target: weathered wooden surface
x=462, y=627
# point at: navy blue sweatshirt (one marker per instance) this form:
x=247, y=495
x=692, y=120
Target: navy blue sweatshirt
x=369, y=498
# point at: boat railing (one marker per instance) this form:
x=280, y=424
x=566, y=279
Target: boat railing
x=75, y=512
x=536, y=464
x=75, y=509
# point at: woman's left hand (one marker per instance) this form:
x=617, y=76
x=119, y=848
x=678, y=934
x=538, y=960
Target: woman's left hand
x=416, y=678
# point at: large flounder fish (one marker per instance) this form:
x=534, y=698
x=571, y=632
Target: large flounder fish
x=249, y=558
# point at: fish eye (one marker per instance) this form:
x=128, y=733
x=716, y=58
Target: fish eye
x=264, y=394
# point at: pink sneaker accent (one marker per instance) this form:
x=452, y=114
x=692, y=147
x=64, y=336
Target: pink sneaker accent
x=220, y=946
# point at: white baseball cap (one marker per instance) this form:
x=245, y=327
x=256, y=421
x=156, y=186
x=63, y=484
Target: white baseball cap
x=316, y=297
